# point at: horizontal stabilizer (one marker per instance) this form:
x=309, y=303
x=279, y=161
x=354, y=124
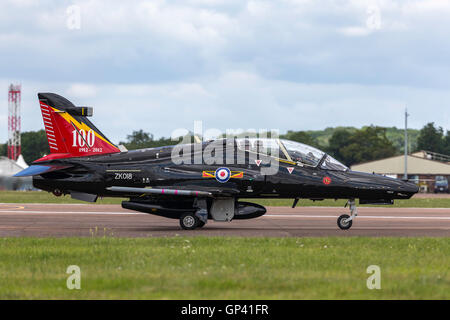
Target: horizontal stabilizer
x=83, y=196
x=171, y=192
x=35, y=170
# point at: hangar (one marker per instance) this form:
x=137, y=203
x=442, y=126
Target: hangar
x=423, y=168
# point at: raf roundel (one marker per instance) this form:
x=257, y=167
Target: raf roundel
x=222, y=175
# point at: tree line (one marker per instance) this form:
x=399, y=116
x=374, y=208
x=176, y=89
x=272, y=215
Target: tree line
x=347, y=144
x=351, y=146
x=34, y=145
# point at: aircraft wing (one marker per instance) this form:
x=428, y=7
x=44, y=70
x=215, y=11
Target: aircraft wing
x=35, y=170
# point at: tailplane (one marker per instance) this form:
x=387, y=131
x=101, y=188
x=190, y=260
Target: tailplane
x=69, y=131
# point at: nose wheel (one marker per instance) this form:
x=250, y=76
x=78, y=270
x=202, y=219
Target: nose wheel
x=345, y=221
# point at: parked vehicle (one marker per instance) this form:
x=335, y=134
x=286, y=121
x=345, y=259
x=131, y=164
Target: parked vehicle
x=441, y=184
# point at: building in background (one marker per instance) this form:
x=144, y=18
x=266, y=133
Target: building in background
x=424, y=168
x=8, y=168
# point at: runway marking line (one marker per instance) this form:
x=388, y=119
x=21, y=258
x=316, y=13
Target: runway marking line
x=271, y=207
x=358, y=217
x=13, y=208
x=267, y=215
x=226, y=228
x=70, y=212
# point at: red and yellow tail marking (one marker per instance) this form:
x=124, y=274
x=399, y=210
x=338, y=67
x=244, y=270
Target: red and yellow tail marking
x=68, y=137
x=79, y=125
x=54, y=137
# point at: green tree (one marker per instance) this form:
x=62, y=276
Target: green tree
x=34, y=145
x=339, y=140
x=397, y=136
x=300, y=136
x=447, y=144
x=367, y=144
x=138, y=140
x=431, y=138
x=141, y=139
x=3, y=150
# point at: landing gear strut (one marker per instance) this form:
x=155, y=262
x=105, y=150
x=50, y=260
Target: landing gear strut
x=345, y=221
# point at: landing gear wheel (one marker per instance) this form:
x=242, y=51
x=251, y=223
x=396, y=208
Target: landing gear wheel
x=343, y=222
x=189, y=221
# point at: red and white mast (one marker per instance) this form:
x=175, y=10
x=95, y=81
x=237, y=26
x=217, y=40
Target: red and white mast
x=14, y=145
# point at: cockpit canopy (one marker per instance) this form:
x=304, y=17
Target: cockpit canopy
x=294, y=151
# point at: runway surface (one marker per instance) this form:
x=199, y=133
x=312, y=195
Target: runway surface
x=70, y=220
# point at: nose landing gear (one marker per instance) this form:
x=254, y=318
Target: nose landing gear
x=345, y=221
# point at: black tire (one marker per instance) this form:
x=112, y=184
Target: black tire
x=201, y=224
x=189, y=221
x=344, y=225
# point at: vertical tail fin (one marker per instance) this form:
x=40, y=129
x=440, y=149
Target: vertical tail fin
x=69, y=131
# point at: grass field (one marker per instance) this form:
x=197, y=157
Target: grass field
x=225, y=268
x=45, y=197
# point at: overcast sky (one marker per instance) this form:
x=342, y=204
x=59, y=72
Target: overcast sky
x=291, y=64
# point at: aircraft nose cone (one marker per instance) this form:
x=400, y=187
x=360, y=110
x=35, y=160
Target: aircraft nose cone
x=405, y=189
x=410, y=187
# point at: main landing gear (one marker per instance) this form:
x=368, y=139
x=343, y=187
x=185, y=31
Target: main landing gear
x=189, y=221
x=197, y=219
x=345, y=221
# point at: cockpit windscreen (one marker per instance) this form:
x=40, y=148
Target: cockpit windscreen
x=298, y=152
x=303, y=153
x=332, y=164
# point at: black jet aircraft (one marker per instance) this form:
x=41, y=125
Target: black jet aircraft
x=85, y=164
